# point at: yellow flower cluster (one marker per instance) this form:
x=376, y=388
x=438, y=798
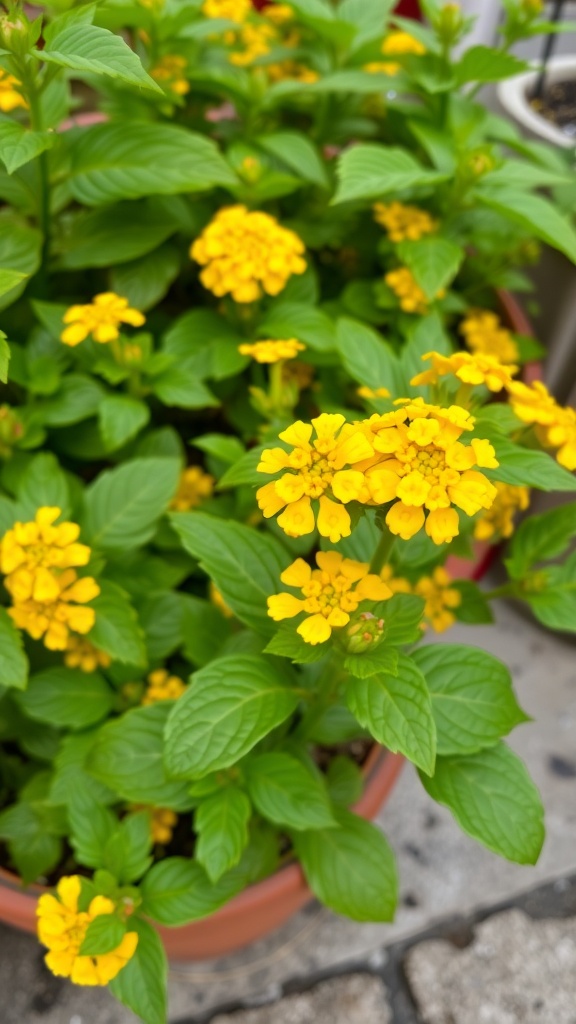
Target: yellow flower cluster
x=498, y=521
x=228, y=10
x=256, y=41
x=396, y=44
x=80, y=653
x=370, y=393
x=169, y=72
x=314, y=470
x=247, y=252
x=272, y=351
x=330, y=594
x=162, y=825
x=404, y=222
x=291, y=70
x=163, y=686
x=62, y=928
x=48, y=598
x=555, y=426
x=194, y=487
x=469, y=369
x=101, y=318
x=10, y=98
x=410, y=295
x=484, y=335
x=440, y=597
x=397, y=584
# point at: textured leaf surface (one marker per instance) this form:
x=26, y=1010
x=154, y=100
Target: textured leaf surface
x=285, y=792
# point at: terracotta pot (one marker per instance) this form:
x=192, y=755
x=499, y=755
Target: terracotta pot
x=265, y=906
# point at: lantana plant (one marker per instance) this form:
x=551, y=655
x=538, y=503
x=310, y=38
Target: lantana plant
x=257, y=388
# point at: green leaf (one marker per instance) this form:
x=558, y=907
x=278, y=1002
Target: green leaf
x=123, y=505
x=20, y=247
x=43, y=483
x=19, y=145
x=221, y=823
x=87, y=48
x=298, y=153
x=104, y=934
x=135, y=159
x=70, y=776
x=243, y=470
x=368, y=171
x=128, y=754
x=534, y=213
x=177, y=891
x=297, y=320
x=472, y=697
x=121, y=418
x=245, y=565
x=486, y=64
x=473, y=607
x=179, y=386
x=402, y=616
x=231, y=704
x=34, y=851
x=141, y=984
x=223, y=447
x=204, y=629
x=67, y=697
x=9, y=279
x=554, y=599
x=77, y=399
x=381, y=658
x=287, y=643
x=286, y=793
x=527, y=467
x=128, y=852
x=366, y=356
x=117, y=630
x=118, y=234
x=350, y=869
x=397, y=711
x=345, y=781
x=91, y=827
x=493, y=800
x=13, y=661
x=145, y=281
x=434, y=262
x=539, y=538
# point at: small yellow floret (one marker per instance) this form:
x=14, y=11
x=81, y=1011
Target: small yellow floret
x=441, y=598
x=10, y=97
x=555, y=426
x=170, y=73
x=470, y=369
x=484, y=335
x=410, y=295
x=227, y=10
x=272, y=351
x=82, y=654
x=498, y=521
x=101, y=319
x=402, y=42
x=403, y=222
x=194, y=487
x=163, y=686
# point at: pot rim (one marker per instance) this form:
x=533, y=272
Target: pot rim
x=512, y=94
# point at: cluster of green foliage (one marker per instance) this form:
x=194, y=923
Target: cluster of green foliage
x=113, y=205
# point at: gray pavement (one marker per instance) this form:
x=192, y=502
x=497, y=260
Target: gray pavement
x=444, y=876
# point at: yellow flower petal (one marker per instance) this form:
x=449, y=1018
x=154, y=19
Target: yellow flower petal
x=315, y=630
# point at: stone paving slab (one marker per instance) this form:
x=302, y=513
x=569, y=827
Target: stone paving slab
x=352, y=999
x=516, y=971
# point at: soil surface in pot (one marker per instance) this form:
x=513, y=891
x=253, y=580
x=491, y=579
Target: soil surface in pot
x=558, y=105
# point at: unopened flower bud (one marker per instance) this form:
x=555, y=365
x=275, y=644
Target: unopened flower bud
x=532, y=8
x=449, y=23
x=17, y=34
x=251, y=169
x=365, y=631
x=11, y=430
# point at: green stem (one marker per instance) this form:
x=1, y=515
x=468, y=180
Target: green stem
x=382, y=553
x=276, y=385
x=37, y=125
x=506, y=590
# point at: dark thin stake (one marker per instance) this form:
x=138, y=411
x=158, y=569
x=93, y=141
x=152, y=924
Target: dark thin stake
x=549, y=45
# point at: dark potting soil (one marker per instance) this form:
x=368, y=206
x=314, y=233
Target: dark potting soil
x=558, y=105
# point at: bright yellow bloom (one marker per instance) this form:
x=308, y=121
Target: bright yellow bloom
x=473, y=370
x=404, y=222
x=228, y=10
x=163, y=686
x=381, y=67
x=194, y=487
x=62, y=928
x=402, y=42
x=370, y=393
x=10, y=98
x=169, y=72
x=30, y=551
x=410, y=295
x=80, y=653
x=257, y=40
x=555, y=425
x=498, y=521
x=52, y=619
x=440, y=599
x=421, y=464
x=272, y=351
x=330, y=593
x=484, y=335
x=279, y=14
x=319, y=470
x=397, y=584
x=101, y=318
x=162, y=825
x=247, y=252
x=291, y=70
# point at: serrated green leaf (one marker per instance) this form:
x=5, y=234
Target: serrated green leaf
x=528, y=467
x=402, y=616
x=96, y=51
x=486, y=64
x=67, y=697
x=287, y=643
x=141, y=984
x=286, y=793
x=366, y=356
x=19, y=145
x=434, y=262
x=534, y=213
x=117, y=630
x=43, y=483
x=221, y=823
x=382, y=658
x=368, y=171
x=344, y=780
x=13, y=661
x=298, y=153
x=121, y=418
x=103, y=934
x=539, y=538
x=177, y=891
x=123, y=505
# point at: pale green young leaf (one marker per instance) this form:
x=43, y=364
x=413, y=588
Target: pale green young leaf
x=368, y=171
x=486, y=64
x=19, y=145
x=104, y=934
x=493, y=800
x=141, y=984
x=89, y=49
x=298, y=153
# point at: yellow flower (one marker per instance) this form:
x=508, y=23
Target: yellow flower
x=163, y=686
x=421, y=464
x=29, y=551
x=402, y=42
x=498, y=521
x=404, y=222
x=473, y=370
x=162, y=825
x=217, y=600
x=247, y=252
x=228, y=10
x=440, y=599
x=555, y=426
x=101, y=318
x=484, y=335
x=257, y=41
x=169, y=71
x=410, y=295
x=52, y=618
x=80, y=653
x=381, y=67
x=370, y=393
x=291, y=70
x=279, y=14
x=397, y=584
x=195, y=485
x=315, y=470
x=330, y=593
x=10, y=98
x=272, y=351
x=62, y=928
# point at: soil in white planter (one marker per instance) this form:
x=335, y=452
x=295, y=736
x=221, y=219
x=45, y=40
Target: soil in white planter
x=558, y=105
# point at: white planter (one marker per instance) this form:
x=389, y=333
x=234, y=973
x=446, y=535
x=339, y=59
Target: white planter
x=514, y=96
